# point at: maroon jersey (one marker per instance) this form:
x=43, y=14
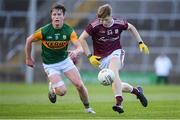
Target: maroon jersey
x=106, y=39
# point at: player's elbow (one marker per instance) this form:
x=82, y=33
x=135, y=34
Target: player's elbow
x=81, y=39
x=131, y=27
x=83, y=36
x=29, y=39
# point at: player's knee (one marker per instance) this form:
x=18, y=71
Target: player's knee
x=60, y=88
x=126, y=87
x=61, y=92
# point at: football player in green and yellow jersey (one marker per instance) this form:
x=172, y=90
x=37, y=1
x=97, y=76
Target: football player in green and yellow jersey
x=55, y=38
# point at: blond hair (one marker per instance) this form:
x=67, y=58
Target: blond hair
x=104, y=11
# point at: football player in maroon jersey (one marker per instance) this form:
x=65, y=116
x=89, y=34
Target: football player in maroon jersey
x=105, y=32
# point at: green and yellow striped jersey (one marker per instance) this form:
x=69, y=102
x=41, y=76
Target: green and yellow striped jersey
x=55, y=42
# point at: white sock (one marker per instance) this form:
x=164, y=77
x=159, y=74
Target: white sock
x=50, y=87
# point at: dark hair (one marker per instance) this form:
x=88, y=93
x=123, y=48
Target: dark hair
x=104, y=10
x=58, y=6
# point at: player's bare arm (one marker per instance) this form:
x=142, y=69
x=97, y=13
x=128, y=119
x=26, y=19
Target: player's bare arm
x=135, y=33
x=143, y=48
x=83, y=37
x=94, y=60
x=28, y=48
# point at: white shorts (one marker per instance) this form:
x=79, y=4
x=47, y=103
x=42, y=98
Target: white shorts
x=120, y=53
x=59, y=67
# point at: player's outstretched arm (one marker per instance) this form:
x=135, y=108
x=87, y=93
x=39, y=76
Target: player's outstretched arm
x=142, y=47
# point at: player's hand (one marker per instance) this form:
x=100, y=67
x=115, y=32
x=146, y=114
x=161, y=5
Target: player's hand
x=94, y=60
x=73, y=55
x=143, y=48
x=30, y=62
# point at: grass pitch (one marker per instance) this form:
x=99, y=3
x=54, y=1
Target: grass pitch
x=21, y=101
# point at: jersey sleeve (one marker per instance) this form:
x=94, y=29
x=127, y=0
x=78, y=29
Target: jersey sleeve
x=38, y=35
x=73, y=37
x=124, y=24
x=89, y=29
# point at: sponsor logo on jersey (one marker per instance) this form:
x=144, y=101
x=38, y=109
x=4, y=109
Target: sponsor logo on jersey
x=106, y=39
x=55, y=44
